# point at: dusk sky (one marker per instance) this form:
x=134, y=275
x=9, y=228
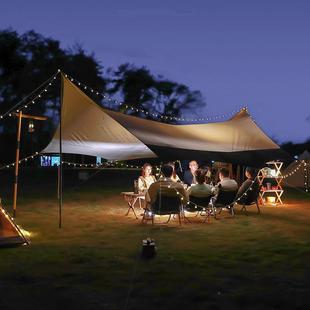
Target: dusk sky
x=237, y=53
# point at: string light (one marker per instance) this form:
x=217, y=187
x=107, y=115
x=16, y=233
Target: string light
x=20, y=161
x=157, y=115
x=116, y=164
x=105, y=165
x=34, y=100
x=12, y=222
x=296, y=169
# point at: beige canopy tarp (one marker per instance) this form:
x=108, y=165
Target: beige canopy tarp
x=87, y=129
x=91, y=130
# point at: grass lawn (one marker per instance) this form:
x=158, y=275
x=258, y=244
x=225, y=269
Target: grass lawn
x=246, y=262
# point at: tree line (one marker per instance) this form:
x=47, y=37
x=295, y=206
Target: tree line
x=28, y=59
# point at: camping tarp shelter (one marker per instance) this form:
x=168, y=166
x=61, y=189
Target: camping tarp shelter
x=298, y=172
x=89, y=129
x=304, y=156
x=9, y=232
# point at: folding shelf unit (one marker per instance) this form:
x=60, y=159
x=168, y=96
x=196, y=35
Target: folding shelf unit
x=273, y=172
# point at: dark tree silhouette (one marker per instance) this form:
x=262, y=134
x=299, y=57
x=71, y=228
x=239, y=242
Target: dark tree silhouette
x=25, y=62
x=139, y=88
x=29, y=59
x=296, y=148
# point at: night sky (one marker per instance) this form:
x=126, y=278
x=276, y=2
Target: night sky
x=237, y=53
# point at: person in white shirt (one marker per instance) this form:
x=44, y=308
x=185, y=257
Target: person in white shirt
x=226, y=183
x=146, y=179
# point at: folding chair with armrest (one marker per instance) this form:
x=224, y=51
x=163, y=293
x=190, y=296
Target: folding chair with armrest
x=225, y=199
x=166, y=204
x=199, y=205
x=251, y=197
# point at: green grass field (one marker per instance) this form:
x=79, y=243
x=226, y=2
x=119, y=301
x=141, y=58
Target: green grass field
x=246, y=262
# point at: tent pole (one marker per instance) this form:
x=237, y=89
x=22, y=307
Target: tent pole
x=17, y=163
x=243, y=172
x=238, y=177
x=58, y=188
x=60, y=185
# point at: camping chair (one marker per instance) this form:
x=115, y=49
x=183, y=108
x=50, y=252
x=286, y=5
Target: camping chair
x=225, y=199
x=251, y=197
x=165, y=204
x=199, y=205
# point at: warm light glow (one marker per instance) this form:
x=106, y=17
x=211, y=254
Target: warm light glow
x=31, y=126
x=26, y=233
x=271, y=199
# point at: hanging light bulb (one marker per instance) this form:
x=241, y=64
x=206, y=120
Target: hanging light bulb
x=30, y=126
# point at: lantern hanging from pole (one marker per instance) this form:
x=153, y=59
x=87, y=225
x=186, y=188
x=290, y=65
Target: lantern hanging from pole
x=30, y=126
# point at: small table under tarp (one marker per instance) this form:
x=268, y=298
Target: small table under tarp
x=131, y=198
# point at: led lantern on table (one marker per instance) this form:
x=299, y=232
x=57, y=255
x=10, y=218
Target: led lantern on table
x=271, y=199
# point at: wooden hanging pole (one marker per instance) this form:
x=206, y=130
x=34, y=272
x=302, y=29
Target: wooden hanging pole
x=20, y=116
x=19, y=127
x=28, y=116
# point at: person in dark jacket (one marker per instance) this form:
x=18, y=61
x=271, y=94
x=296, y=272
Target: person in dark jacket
x=250, y=175
x=189, y=175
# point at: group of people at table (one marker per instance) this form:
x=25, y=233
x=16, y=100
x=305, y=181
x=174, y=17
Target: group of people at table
x=196, y=182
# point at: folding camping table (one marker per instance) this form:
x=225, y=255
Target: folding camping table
x=131, y=198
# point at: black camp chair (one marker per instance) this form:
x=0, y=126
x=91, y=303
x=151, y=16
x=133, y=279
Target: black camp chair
x=251, y=197
x=166, y=204
x=225, y=199
x=199, y=205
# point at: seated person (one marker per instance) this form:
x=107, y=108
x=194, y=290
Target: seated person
x=189, y=175
x=175, y=177
x=250, y=174
x=209, y=171
x=146, y=178
x=201, y=189
x=226, y=183
x=165, y=184
x=208, y=168
x=211, y=175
